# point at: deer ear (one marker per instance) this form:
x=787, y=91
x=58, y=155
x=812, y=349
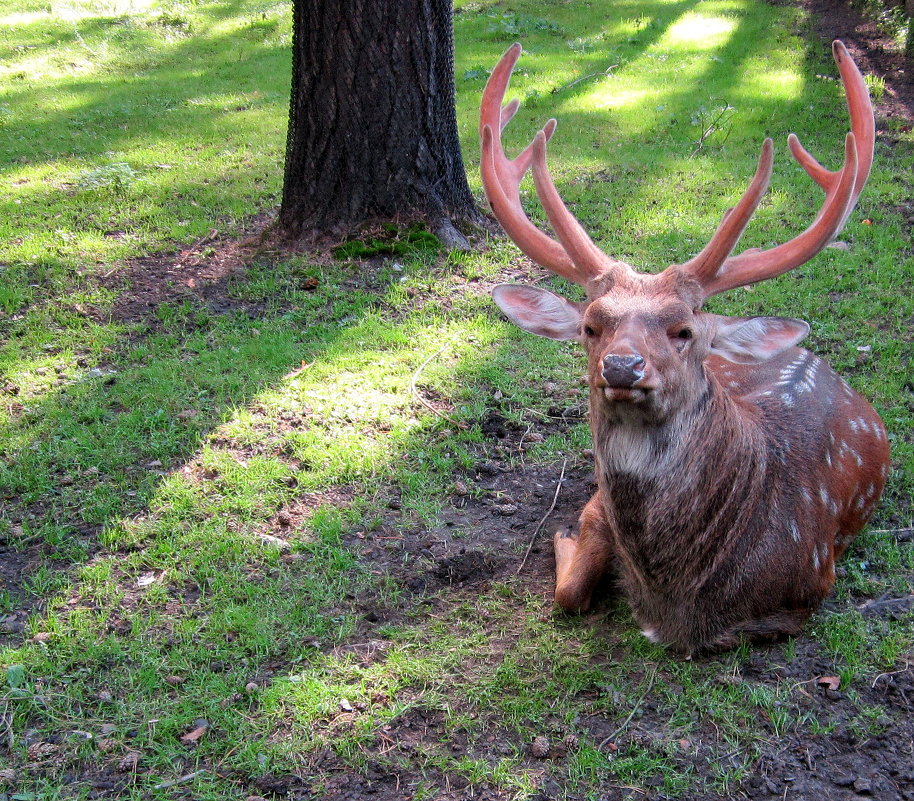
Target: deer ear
x=755, y=339
x=538, y=311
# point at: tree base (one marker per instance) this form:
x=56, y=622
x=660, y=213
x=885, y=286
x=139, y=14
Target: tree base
x=454, y=233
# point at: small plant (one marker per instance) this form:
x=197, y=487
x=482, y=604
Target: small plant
x=45, y=581
x=876, y=85
x=713, y=125
x=509, y=27
x=117, y=177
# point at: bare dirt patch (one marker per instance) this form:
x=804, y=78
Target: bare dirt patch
x=874, y=51
x=201, y=271
x=480, y=538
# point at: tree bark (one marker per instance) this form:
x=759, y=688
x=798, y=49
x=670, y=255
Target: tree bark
x=372, y=122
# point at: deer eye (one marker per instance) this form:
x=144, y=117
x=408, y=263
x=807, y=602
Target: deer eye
x=588, y=331
x=684, y=334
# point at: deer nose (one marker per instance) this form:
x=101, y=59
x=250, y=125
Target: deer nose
x=623, y=370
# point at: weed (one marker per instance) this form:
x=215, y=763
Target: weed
x=509, y=27
x=117, y=177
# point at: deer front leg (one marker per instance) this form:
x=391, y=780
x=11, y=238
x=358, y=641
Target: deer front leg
x=582, y=560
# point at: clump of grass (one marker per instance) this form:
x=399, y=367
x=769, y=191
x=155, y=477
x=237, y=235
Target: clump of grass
x=118, y=177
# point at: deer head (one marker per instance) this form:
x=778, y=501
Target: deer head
x=646, y=336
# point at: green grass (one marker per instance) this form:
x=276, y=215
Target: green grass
x=144, y=457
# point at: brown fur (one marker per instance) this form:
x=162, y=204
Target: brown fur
x=751, y=481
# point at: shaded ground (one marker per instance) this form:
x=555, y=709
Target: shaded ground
x=503, y=509
x=874, y=51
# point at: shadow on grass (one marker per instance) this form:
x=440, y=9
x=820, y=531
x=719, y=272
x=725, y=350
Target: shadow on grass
x=106, y=454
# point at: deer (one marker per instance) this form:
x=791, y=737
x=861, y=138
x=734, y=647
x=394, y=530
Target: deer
x=733, y=468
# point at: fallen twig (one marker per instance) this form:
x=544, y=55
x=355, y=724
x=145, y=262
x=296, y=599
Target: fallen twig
x=180, y=780
x=631, y=714
x=542, y=522
x=414, y=389
x=900, y=534
x=557, y=89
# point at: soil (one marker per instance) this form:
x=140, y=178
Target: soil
x=503, y=507
x=873, y=51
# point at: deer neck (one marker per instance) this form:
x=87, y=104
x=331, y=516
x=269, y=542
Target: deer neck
x=689, y=473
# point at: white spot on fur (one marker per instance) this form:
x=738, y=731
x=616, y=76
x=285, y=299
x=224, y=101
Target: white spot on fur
x=815, y=559
x=853, y=425
x=787, y=398
x=794, y=531
x=650, y=635
x=823, y=552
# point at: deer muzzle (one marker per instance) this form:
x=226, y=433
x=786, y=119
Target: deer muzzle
x=622, y=371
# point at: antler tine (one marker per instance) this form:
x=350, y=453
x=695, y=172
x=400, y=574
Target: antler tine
x=863, y=126
x=501, y=179
x=577, y=243
x=842, y=187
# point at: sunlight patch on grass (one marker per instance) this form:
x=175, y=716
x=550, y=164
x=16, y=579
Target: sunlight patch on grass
x=610, y=95
x=100, y=8
x=786, y=84
x=699, y=31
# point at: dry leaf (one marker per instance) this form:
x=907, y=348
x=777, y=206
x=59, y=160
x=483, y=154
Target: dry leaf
x=146, y=579
x=829, y=682
x=129, y=762
x=192, y=737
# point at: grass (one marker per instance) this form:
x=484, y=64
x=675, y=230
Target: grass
x=146, y=455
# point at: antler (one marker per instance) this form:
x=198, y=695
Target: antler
x=717, y=271
x=574, y=256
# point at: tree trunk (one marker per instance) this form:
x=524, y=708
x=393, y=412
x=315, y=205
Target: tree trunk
x=372, y=123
